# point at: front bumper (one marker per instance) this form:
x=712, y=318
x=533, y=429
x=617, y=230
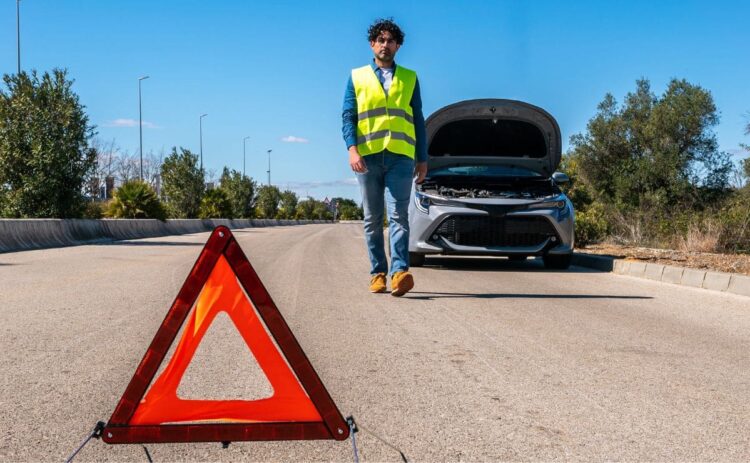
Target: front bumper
x=492, y=230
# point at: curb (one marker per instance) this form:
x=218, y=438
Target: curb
x=706, y=279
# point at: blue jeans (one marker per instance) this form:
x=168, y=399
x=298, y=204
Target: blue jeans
x=388, y=175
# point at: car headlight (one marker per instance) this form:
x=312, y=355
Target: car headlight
x=564, y=212
x=556, y=204
x=559, y=206
x=422, y=202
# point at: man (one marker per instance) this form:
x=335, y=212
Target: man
x=383, y=127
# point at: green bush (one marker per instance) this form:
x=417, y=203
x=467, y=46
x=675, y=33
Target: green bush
x=45, y=157
x=591, y=225
x=348, y=209
x=267, y=202
x=136, y=200
x=287, y=205
x=94, y=210
x=735, y=220
x=241, y=191
x=349, y=212
x=183, y=184
x=215, y=205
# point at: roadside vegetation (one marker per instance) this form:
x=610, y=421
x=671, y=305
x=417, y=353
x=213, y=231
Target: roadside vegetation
x=45, y=157
x=648, y=172
x=52, y=165
x=135, y=199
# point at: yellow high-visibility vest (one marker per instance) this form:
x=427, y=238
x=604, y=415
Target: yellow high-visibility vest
x=385, y=122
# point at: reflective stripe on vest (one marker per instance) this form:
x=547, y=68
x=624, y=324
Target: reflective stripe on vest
x=385, y=122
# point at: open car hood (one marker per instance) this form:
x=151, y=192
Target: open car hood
x=494, y=132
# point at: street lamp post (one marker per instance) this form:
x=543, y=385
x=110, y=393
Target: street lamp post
x=140, y=121
x=18, y=32
x=269, y=167
x=201, y=138
x=243, y=156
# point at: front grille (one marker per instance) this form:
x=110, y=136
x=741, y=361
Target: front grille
x=505, y=231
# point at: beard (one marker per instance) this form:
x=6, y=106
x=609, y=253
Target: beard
x=385, y=56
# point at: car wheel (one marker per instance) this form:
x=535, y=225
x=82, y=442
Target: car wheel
x=416, y=259
x=557, y=261
x=517, y=258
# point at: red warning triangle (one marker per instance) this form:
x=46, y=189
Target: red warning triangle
x=222, y=280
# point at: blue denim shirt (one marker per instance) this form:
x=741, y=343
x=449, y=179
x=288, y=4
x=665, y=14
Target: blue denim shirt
x=349, y=117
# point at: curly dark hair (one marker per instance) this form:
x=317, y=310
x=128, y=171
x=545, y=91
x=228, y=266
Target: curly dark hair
x=385, y=25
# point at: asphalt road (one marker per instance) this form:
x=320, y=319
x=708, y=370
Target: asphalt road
x=485, y=360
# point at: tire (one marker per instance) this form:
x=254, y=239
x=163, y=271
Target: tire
x=416, y=259
x=517, y=258
x=557, y=261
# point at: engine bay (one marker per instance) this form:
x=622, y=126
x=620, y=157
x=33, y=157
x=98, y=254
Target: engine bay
x=456, y=187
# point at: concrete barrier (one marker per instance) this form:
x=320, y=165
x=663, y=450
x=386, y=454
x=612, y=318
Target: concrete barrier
x=26, y=234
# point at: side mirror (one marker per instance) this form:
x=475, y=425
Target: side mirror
x=560, y=178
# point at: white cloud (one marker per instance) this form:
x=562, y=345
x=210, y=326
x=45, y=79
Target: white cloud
x=130, y=123
x=293, y=139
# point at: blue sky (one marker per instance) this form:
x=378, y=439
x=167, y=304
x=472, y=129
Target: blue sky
x=273, y=70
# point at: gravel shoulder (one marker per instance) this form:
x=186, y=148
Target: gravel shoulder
x=730, y=263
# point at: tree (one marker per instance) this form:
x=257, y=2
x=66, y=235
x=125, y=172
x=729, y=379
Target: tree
x=591, y=223
x=136, y=200
x=347, y=209
x=106, y=161
x=182, y=183
x=287, y=205
x=240, y=192
x=268, y=201
x=305, y=209
x=312, y=209
x=321, y=211
x=215, y=205
x=127, y=167
x=45, y=156
x=745, y=163
x=653, y=156
x=152, y=169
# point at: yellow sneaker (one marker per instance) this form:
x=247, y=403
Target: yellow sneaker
x=377, y=283
x=401, y=283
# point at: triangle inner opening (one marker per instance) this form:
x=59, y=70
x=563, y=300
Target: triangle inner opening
x=223, y=367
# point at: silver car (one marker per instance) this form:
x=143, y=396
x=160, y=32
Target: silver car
x=491, y=186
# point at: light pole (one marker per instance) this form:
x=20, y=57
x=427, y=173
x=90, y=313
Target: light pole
x=18, y=32
x=201, y=138
x=243, y=156
x=140, y=121
x=269, y=167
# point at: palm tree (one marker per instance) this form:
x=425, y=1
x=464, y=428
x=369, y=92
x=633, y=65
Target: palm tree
x=136, y=200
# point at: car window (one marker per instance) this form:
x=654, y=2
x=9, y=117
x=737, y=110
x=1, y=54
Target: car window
x=488, y=171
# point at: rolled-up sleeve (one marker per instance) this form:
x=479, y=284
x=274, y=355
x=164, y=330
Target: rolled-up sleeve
x=349, y=116
x=419, y=128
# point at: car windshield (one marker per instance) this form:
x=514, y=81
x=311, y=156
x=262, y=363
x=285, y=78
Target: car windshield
x=485, y=171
